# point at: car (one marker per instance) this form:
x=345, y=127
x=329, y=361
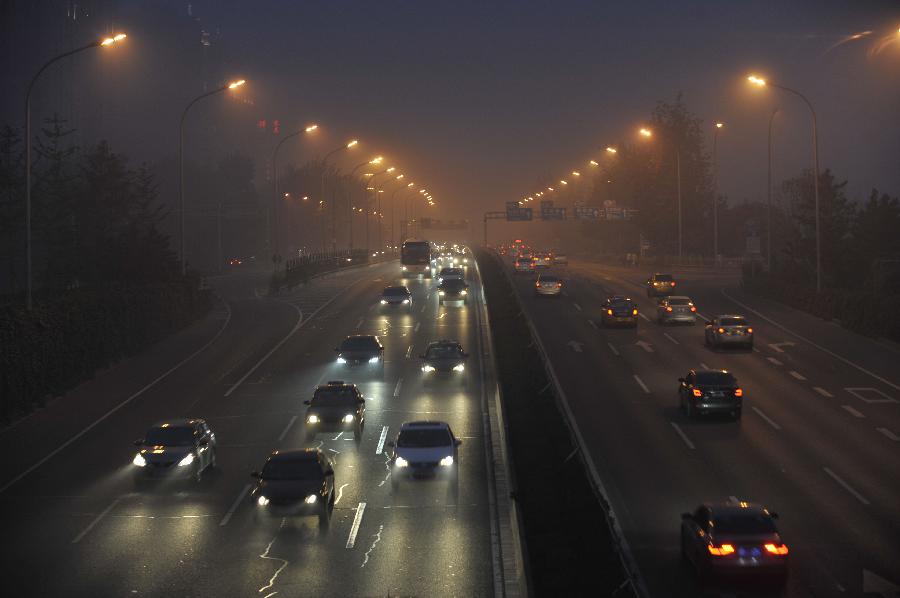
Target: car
x=361, y=350
x=548, y=286
x=175, y=448
x=676, y=308
x=335, y=406
x=444, y=359
x=728, y=331
x=540, y=261
x=451, y=274
x=425, y=449
x=619, y=310
x=398, y=296
x=734, y=539
x=523, y=265
x=453, y=290
x=560, y=259
x=660, y=285
x=295, y=482
x=710, y=391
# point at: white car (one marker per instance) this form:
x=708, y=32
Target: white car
x=425, y=449
x=175, y=448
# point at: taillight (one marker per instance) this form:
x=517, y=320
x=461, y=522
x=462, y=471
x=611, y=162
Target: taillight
x=698, y=392
x=723, y=550
x=673, y=283
x=693, y=308
x=738, y=392
x=634, y=312
x=609, y=312
x=749, y=331
x=537, y=285
x=776, y=548
x=721, y=331
x=668, y=309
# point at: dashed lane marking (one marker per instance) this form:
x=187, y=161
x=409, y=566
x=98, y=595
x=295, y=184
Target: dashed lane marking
x=683, y=436
x=593, y=324
x=797, y=375
x=286, y=428
x=643, y=316
x=774, y=361
x=852, y=411
x=613, y=349
x=409, y=351
x=887, y=433
x=397, y=388
x=704, y=366
x=234, y=505
x=846, y=486
x=360, y=323
x=823, y=392
x=96, y=520
x=354, y=529
x=380, y=448
x=576, y=306
x=641, y=383
x=766, y=418
x=666, y=334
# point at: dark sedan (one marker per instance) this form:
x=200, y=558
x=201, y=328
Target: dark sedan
x=710, y=391
x=444, y=358
x=175, y=448
x=453, y=290
x=619, y=311
x=336, y=406
x=295, y=482
x=361, y=350
x=734, y=539
x=396, y=297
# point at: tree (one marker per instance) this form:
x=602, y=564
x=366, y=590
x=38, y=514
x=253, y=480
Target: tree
x=12, y=209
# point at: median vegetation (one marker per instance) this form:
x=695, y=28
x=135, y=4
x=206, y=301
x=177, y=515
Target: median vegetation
x=570, y=547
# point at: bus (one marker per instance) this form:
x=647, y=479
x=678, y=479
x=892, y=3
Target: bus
x=415, y=258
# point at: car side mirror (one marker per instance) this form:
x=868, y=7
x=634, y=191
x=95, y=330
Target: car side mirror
x=329, y=471
x=390, y=443
x=422, y=356
x=681, y=380
x=203, y=442
x=360, y=400
x=773, y=515
x=139, y=442
x=686, y=517
x=457, y=441
x=465, y=354
x=254, y=474
x=709, y=323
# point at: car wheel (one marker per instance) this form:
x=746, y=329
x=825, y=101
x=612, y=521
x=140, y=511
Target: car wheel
x=395, y=483
x=324, y=517
x=684, y=550
x=212, y=459
x=198, y=473
x=309, y=436
x=689, y=409
x=454, y=487
x=736, y=414
x=357, y=434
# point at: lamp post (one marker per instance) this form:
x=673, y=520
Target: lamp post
x=347, y=145
x=760, y=82
x=274, y=230
x=393, y=201
x=371, y=186
x=647, y=133
x=232, y=85
x=769, y=193
x=29, y=283
x=716, y=193
x=376, y=160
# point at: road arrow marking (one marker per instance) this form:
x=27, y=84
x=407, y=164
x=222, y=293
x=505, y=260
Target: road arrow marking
x=575, y=346
x=645, y=346
x=778, y=346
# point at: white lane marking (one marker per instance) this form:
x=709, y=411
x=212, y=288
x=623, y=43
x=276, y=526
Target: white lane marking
x=666, y=334
x=702, y=317
x=360, y=323
x=354, y=529
x=756, y=350
x=286, y=428
x=774, y=361
x=778, y=346
x=96, y=520
x=641, y=383
x=643, y=316
x=823, y=392
x=416, y=329
x=733, y=499
x=336, y=437
x=797, y=375
x=397, y=388
x=409, y=351
x=684, y=437
x=613, y=349
x=647, y=347
x=853, y=411
x=340, y=493
x=576, y=306
x=234, y=505
x=846, y=486
x=265, y=555
x=704, y=366
x=593, y=324
x=381, y=439
x=865, y=395
x=87, y=429
x=816, y=345
x=423, y=309
x=372, y=547
x=766, y=417
x=888, y=434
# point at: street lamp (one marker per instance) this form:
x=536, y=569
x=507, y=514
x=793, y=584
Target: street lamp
x=760, y=82
x=375, y=160
x=232, y=85
x=611, y=150
x=647, y=133
x=274, y=228
x=715, y=166
x=348, y=145
x=28, y=270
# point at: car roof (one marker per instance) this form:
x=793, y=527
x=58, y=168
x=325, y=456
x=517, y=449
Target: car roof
x=670, y=297
x=618, y=298
x=178, y=423
x=397, y=287
x=304, y=454
x=349, y=336
x=711, y=371
x=448, y=269
x=661, y=274
x=335, y=384
x=425, y=425
x=730, y=508
x=442, y=343
x=720, y=316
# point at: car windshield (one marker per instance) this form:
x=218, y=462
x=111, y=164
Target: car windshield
x=396, y=292
x=733, y=322
x=442, y=352
x=523, y=261
x=663, y=278
x=744, y=523
x=549, y=279
x=359, y=343
x=170, y=436
x=422, y=438
x=291, y=469
x=451, y=272
x=334, y=398
x=716, y=378
x=679, y=301
x=453, y=285
x=620, y=302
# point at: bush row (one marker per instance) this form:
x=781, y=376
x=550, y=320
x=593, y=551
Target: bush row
x=302, y=269
x=68, y=337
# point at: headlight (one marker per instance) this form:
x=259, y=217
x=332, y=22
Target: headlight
x=441, y=293
x=262, y=500
x=403, y=268
x=139, y=460
x=311, y=499
x=447, y=461
x=465, y=260
x=187, y=460
x=373, y=360
x=406, y=302
x=427, y=368
x=312, y=419
x=460, y=367
x=401, y=462
x=341, y=360
x=384, y=301
x=464, y=292
x=348, y=418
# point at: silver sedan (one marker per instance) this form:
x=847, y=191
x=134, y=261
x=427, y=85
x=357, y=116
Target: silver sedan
x=676, y=308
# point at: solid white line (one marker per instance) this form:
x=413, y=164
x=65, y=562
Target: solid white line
x=822, y=392
x=641, y=383
x=65, y=445
x=381, y=439
x=96, y=520
x=766, y=417
x=643, y=316
x=666, y=334
x=702, y=317
x=416, y=329
x=704, y=366
x=684, y=437
x=733, y=499
x=797, y=375
x=816, y=345
x=234, y=505
x=397, y=388
x=354, y=529
x=853, y=411
x=286, y=428
x=613, y=349
x=889, y=434
x=576, y=306
x=774, y=361
x=846, y=486
x=360, y=323
x=593, y=324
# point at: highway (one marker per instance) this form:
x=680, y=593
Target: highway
x=818, y=442
x=75, y=524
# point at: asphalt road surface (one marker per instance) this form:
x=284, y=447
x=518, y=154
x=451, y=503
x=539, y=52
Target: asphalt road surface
x=74, y=522
x=819, y=441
